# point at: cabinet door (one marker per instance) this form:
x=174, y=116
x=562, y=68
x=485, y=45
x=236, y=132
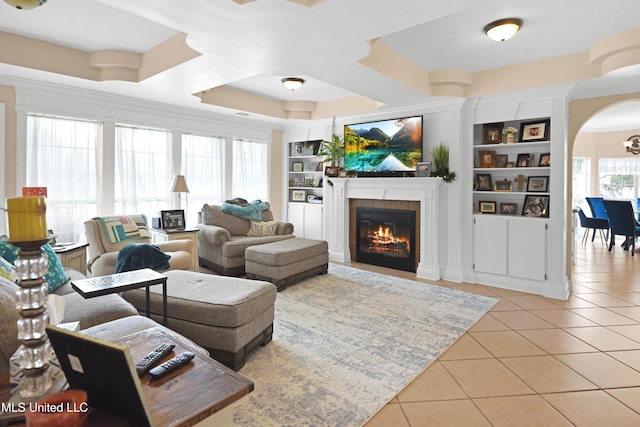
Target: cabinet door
x=313, y=221
x=490, y=244
x=296, y=217
x=528, y=249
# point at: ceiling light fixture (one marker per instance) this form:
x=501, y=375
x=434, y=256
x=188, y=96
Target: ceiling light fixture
x=632, y=144
x=503, y=29
x=25, y=4
x=292, y=83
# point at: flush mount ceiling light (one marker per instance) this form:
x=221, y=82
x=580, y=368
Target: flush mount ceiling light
x=25, y=4
x=632, y=144
x=292, y=83
x=503, y=29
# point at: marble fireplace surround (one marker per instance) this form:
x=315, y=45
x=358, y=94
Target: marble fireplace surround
x=423, y=190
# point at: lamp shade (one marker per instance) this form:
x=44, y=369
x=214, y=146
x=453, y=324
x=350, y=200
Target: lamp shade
x=292, y=83
x=25, y=4
x=179, y=184
x=503, y=29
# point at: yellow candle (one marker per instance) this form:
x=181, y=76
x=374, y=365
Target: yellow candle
x=27, y=219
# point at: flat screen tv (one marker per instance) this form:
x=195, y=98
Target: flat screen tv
x=383, y=148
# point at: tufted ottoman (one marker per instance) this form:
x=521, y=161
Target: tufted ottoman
x=228, y=316
x=288, y=261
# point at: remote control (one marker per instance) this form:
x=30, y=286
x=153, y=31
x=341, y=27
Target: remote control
x=143, y=365
x=170, y=365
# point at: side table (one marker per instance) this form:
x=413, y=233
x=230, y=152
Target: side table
x=158, y=236
x=73, y=256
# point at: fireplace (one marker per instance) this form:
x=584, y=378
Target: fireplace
x=386, y=237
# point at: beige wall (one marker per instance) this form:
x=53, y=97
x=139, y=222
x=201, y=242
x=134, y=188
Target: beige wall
x=276, y=168
x=8, y=97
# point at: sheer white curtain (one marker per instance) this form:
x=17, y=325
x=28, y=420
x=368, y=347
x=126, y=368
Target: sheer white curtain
x=619, y=166
x=61, y=155
x=249, y=177
x=141, y=183
x=202, y=167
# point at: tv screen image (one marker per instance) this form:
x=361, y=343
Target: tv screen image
x=384, y=146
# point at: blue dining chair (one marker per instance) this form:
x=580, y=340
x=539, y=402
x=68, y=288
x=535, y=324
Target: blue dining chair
x=622, y=222
x=592, y=224
x=597, y=207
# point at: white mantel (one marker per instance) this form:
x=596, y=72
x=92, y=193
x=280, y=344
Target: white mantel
x=424, y=190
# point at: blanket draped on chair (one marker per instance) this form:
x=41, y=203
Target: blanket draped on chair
x=136, y=256
x=124, y=227
x=252, y=212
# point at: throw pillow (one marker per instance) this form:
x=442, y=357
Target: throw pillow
x=7, y=270
x=55, y=276
x=263, y=228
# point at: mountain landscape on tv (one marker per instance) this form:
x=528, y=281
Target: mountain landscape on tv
x=384, y=146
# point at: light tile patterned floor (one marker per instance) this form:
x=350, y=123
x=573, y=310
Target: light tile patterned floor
x=534, y=361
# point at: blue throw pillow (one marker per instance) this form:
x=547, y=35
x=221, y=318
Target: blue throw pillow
x=55, y=276
x=250, y=213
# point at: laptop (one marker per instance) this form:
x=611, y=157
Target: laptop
x=104, y=370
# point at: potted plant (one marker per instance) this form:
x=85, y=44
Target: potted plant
x=333, y=151
x=440, y=156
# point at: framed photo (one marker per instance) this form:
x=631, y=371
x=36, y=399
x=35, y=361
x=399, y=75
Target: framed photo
x=487, y=207
x=501, y=160
x=309, y=167
x=483, y=182
x=538, y=184
x=487, y=158
x=298, y=196
x=308, y=181
x=298, y=182
x=508, y=208
x=320, y=166
x=535, y=131
x=523, y=160
x=492, y=133
x=545, y=160
x=172, y=220
x=423, y=169
x=342, y=174
x=307, y=149
x=536, y=206
x=331, y=171
x=296, y=167
x=296, y=149
x=504, y=185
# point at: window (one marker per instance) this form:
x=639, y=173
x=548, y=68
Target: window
x=581, y=180
x=61, y=155
x=202, y=162
x=619, y=177
x=250, y=172
x=141, y=171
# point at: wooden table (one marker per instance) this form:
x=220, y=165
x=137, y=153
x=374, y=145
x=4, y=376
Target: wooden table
x=183, y=398
x=73, y=256
x=115, y=283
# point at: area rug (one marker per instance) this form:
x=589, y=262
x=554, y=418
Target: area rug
x=345, y=343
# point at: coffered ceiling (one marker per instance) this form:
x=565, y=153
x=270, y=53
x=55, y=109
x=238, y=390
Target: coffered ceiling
x=356, y=56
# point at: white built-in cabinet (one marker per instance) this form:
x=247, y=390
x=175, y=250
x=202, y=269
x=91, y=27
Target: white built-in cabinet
x=306, y=219
x=306, y=180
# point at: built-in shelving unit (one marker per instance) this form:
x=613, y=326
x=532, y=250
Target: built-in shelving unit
x=305, y=172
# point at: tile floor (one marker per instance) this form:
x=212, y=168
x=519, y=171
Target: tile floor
x=534, y=361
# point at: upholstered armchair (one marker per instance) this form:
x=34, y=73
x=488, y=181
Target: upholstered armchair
x=107, y=235
x=223, y=237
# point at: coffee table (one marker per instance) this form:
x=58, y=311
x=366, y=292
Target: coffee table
x=119, y=282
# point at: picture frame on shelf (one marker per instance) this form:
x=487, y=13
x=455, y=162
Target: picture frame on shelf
x=538, y=184
x=423, y=169
x=487, y=207
x=492, y=133
x=501, y=160
x=483, y=182
x=307, y=149
x=536, y=206
x=308, y=181
x=342, y=174
x=309, y=167
x=545, y=160
x=504, y=185
x=508, y=208
x=298, y=181
x=331, y=170
x=296, y=149
x=298, y=195
x=487, y=158
x=296, y=167
x=535, y=130
x=320, y=166
x=522, y=160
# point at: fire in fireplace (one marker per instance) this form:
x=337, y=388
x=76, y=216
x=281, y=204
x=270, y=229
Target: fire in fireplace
x=386, y=237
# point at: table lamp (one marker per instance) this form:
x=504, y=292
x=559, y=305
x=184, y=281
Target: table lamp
x=179, y=185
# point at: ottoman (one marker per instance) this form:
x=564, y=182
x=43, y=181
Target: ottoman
x=228, y=316
x=287, y=261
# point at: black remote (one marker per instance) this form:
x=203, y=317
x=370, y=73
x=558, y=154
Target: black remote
x=143, y=365
x=170, y=365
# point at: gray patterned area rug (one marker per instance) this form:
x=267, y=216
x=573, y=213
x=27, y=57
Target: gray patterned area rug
x=345, y=343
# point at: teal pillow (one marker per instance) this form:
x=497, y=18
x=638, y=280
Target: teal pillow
x=55, y=277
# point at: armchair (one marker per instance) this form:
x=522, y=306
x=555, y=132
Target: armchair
x=223, y=238
x=104, y=245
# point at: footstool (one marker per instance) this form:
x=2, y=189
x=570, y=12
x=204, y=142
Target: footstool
x=287, y=261
x=228, y=316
